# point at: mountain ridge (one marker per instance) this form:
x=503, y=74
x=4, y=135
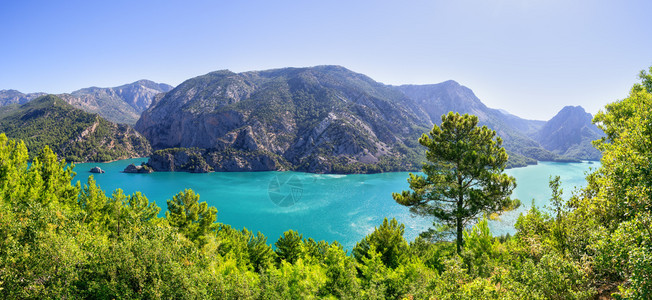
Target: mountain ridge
x=121, y=104
x=569, y=134
x=260, y=111
x=318, y=119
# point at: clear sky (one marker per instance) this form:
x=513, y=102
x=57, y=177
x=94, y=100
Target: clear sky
x=529, y=57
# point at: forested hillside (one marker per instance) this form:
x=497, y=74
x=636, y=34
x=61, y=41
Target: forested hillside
x=59, y=240
x=70, y=132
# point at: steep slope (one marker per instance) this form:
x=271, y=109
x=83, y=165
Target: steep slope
x=8, y=97
x=122, y=104
x=70, y=132
x=569, y=134
x=319, y=119
x=438, y=99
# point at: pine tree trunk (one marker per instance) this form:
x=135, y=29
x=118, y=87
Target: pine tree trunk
x=460, y=207
x=459, y=228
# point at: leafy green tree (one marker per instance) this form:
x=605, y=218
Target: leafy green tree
x=342, y=281
x=261, y=254
x=478, y=249
x=92, y=201
x=194, y=219
x=289, y=247
x=623, y=184
x=619, y=194
x=463, y=177
x=387, y=240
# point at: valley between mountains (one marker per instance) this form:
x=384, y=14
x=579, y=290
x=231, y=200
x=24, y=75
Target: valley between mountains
x=324, y=119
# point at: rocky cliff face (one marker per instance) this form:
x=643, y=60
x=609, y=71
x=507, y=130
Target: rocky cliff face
x=570, y=133
x=197, y=160
x=122, y=104
x=320, y=119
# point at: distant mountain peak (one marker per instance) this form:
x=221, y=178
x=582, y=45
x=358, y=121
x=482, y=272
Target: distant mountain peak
x=451, y=83
x=572, y=109
x=570, y=132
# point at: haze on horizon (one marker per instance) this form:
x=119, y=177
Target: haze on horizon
x=530, y=58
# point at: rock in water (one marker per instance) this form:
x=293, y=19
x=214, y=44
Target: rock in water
x=97, y=170
x=138, y=169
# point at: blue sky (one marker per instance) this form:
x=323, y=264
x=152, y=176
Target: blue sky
x=530, y=57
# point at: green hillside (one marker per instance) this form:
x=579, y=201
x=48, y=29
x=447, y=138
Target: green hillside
x=71, y=133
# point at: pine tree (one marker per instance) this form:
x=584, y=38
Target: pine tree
x=463, y=177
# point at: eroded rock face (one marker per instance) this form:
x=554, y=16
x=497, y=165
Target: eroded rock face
x=202, y=161
x=309, y=119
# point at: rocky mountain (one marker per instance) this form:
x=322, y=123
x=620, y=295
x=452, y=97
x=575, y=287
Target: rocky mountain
x=8, y=97
x=122, y=104
x=72, y=133
x=320, y=119
x=438, y=99
x=328, y=119
x=569, y=134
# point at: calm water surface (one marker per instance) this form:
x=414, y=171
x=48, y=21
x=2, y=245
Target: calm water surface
x=325, y=207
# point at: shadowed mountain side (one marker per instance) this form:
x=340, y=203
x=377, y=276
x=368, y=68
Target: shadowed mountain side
x=570, y=133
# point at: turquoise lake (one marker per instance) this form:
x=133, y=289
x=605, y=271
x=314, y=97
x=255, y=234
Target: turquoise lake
x=324, y=207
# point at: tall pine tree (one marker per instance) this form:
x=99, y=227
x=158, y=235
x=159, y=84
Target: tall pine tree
x=463, y=177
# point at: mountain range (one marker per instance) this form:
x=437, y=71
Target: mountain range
x=324, y=119
x=330, y=119
x=122, y=104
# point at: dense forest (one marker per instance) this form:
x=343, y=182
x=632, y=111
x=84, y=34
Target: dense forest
x=62, y=240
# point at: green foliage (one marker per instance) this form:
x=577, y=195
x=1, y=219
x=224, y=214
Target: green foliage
x=387, y=240
x=464, y=176
x=289, y=247
x=193, y=218
x=478, y=249
x=516, y=160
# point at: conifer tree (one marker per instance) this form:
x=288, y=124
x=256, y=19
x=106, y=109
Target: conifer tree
x=463, y=177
